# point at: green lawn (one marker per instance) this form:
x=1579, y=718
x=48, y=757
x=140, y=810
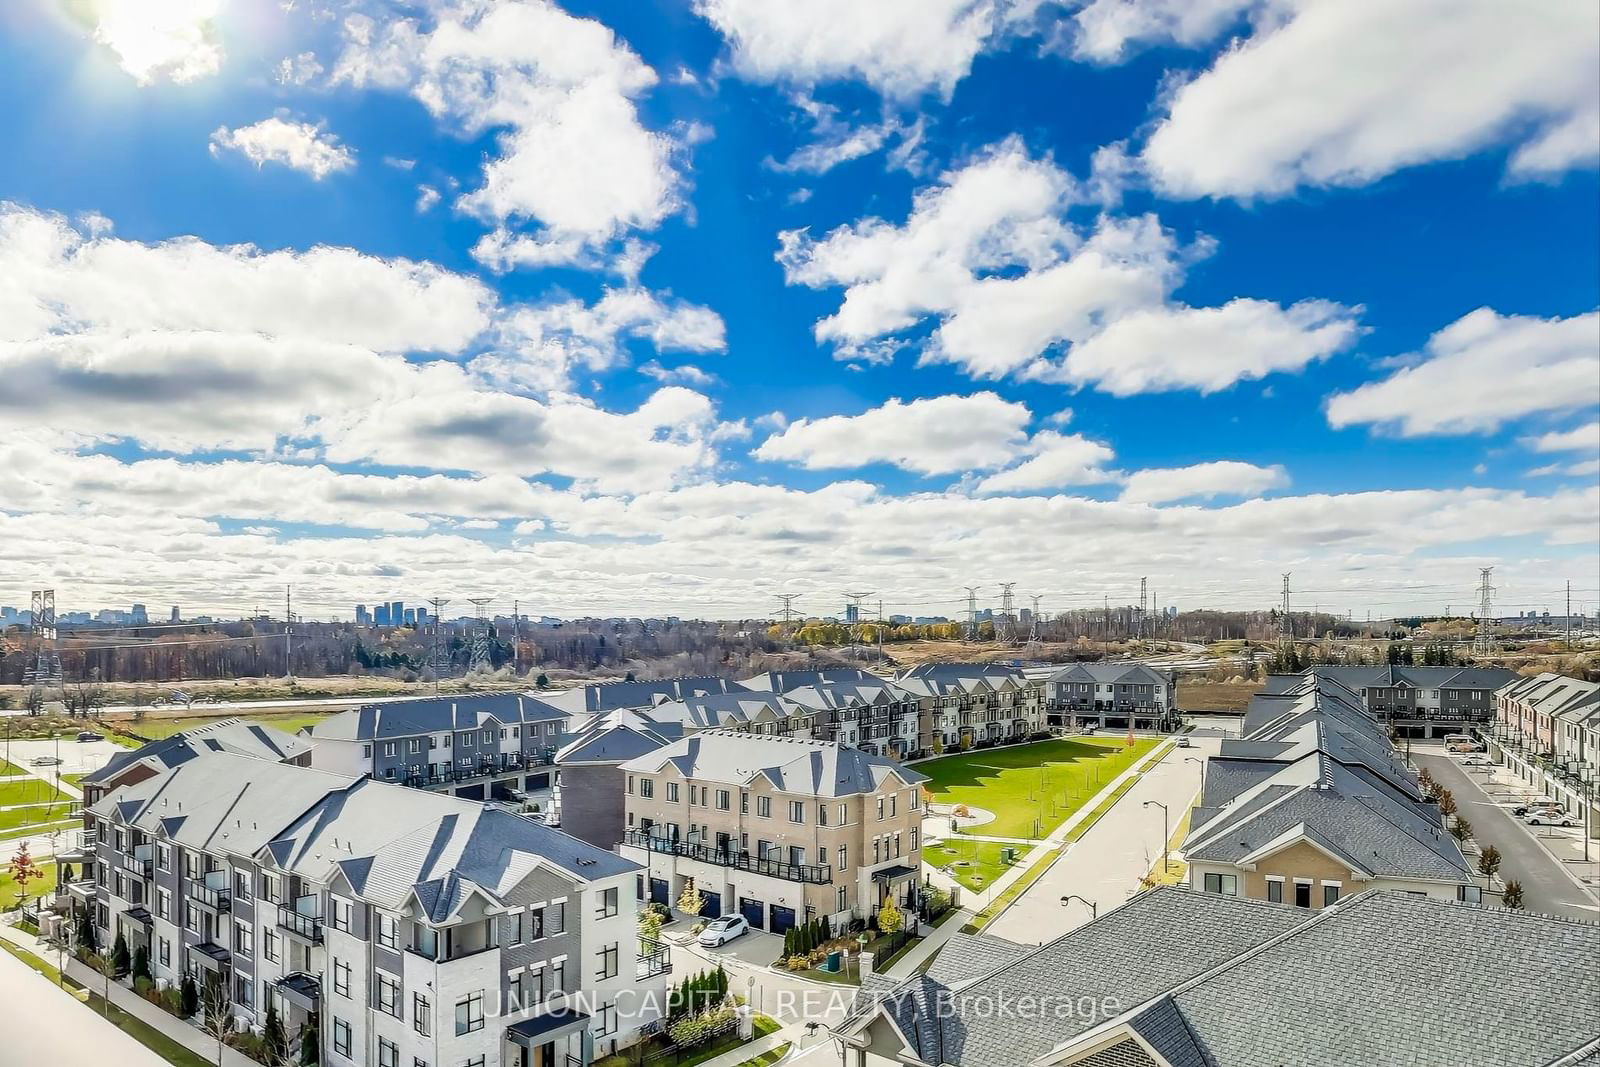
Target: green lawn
x=10, y=770
x=1031, y=788
x=155, y=729
x=981, y=860
x=762, y=1025
x=36, y=888
x=62, y=826
x=33, y=815
x=31, y=791
x=769, y=1057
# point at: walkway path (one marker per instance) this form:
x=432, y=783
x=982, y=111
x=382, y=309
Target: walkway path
x=1106, y=864
x=43, y=1024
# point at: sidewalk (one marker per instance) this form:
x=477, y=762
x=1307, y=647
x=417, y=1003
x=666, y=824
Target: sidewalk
x=915, y=956
x=191, y=1037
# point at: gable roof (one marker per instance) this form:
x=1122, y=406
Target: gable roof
x=791, y=765
x=235, y=735
x=433, y=715
x=609, y=696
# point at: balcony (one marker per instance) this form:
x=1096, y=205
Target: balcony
x=214, y=897
x=654, y=959
x=306, y=927
x=814, y=874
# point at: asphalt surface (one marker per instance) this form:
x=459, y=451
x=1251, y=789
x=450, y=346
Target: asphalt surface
x=1546, y=885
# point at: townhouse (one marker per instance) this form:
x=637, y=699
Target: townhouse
x=1421, y=701
x=779, y=830
x=1311, y=805
x=477, y=746
x=976, y=704
x=1547, y=730
x=1174, y=978
x=221, y=735
x=1118, y=695
x=404, y=927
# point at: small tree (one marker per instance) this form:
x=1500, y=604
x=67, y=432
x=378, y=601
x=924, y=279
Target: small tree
x=649, y=929
x=1489, y=862
x=141, y=964
x=88, y=937
x=119, y=955
x=23, y=870
x=691, y=901
x=311, y=1042
x=275, y=1043
x=889, y=918
x=216, y=1014
x=1461, y=829
x=543, y=681
x=1447, y=803
x=189, y=996
x=106, y=968
x=1513, y=895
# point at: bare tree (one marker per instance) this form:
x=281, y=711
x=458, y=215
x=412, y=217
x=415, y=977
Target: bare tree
x=216, y=1013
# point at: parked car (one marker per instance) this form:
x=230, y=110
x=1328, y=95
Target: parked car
x=719, y=931
x=90, y=735
x=1549, y=816
x=46, y=761
x=1184, y=742
x=1519, y=810
x=1477, y=761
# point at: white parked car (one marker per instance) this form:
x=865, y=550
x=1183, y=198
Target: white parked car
x=1477, y=761
x=45, y=761
x=719, y=931
x=1550, y=816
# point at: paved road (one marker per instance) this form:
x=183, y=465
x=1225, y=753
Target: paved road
x=1105, y=865
x=43, y=1024
x=1546, y=885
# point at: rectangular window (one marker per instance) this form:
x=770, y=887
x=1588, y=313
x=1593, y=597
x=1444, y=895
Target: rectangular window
x=244, y=991
x=608, y=904
x=724, y=800
x=892, y=802
x=241, y=885
x=647, y=788
x=672, y=792
x=269, y=945
x=515, y=933
x=341, y=977
x=341, y=1037
x=797, y=811
x=915, y=833
x=164, y=903
x=605, y=1020
x=1226, y=884
x=421, y=1014
x=763, y=807
x=388, y=1053
x=390, y=748
x=880, y=809
x=535, y=923
x=163, y=858
x=844, y=858
x=388, y=930
x=469, y=1014
x=242, y=940
x=388, y=995
x=1330, y=895
x=607, y=967
x=164, y=952
x=1302, y=894
x=744, y=803
x=1275, y=890
x=842, y=902
x=822, y=814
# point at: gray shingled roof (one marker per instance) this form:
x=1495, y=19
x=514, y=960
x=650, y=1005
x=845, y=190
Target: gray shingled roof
x=224, y=735
x=609, y=696
x=793, y=765
x=432, y=715
x=1112, y=673
x=965, y=956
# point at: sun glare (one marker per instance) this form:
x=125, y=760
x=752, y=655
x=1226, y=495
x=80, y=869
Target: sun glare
x=155, y=39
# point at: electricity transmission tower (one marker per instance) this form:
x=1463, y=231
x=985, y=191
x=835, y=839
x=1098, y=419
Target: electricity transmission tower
x=1285, y=628
x=787, y=611
x=1034, y=632
x=440, y=660
x=1483, y=644
x=44, y=673
x=1144, y=609
x=972, y=611
x=482, y=638
x=1005, y=629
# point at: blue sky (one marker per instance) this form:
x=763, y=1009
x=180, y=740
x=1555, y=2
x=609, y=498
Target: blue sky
x=671, y=307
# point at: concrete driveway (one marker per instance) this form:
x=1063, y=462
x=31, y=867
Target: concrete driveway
x=77, y=757
x=776, y=993
x=1105, y=865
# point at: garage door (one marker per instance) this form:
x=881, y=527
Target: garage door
x=713, y=907
x=538, y=782
x=754, y=911
x=471, y=792
x=658, y=891
x=782, y=919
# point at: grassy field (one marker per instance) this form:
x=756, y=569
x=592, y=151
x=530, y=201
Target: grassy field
x=37, y=829
x=982, y=859
x=1198, y=694
x=155, y=729
x=33, y=815
x=30, y=791
x=1030, y=788
x=37, y=887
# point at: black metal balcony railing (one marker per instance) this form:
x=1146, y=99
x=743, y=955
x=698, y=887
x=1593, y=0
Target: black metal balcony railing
x=306, y=926
x=654, y=959
x=215, y=899
x=816, y=874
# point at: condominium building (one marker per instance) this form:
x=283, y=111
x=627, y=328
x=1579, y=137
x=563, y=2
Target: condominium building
x=970, y=704
x=236, y=735
x=779, y=830
x=1312, y=805
x=407, y=927
x=1117, y=695
x=477, y=746
x=1547, y=730
x=1420, y=701
x=1174, y=978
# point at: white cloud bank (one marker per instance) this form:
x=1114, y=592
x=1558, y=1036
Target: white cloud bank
x=1203, y=480
x=299, y=146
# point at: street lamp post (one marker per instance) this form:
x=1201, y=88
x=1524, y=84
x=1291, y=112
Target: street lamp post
x=1166, y=836
x=1094, y=909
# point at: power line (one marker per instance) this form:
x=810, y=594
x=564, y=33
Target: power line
x=1483, y=644
x=972, y=611
x=787, y=611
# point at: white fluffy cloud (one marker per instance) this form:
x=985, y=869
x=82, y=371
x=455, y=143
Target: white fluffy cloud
x=299, y=146
x=1104, y=31
x=934, y=435
x=573, y=158
x=1577, y=439
x=1208, y=349
x=1343, y=92
x=1203, y=480
x=902, y=48
x=990, y=254
x=1058, y=460
x=1481, y=371
x=174, y=40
